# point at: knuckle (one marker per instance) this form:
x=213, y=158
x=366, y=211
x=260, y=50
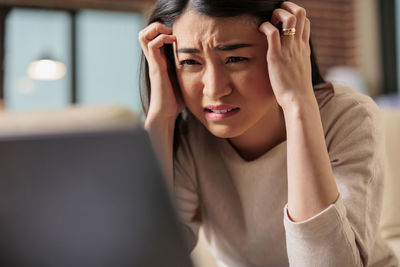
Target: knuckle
x=159, y=26
x=141, y=36
x=144, y=33
x=151, y=46
x=141, y=33
x=275, y=13
x=301, y=12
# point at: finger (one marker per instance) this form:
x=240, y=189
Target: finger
x=307, y=30
x=288, y=21
x=157, y=43
x=152, y=31
x=273, y=37
x=300, y=14
x=281, y=15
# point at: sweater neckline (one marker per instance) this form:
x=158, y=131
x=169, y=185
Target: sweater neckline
x=229, y=152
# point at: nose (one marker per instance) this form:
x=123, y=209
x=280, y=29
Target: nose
x=216, y=83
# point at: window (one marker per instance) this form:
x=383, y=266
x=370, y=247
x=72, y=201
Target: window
x=30, y=35
x=107, y=58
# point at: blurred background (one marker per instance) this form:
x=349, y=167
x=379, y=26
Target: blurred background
x=60, y=57
x=56, y=53
x=357, y=42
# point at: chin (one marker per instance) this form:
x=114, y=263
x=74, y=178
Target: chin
x=224, y=131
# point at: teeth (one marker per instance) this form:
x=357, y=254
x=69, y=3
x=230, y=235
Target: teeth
x=222, y=111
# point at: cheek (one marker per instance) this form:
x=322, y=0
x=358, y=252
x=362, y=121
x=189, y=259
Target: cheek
x=255, y=84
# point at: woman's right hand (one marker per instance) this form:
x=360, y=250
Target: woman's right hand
x=164, y=105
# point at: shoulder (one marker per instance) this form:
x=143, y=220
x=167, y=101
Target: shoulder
x=343, y=109
x=352, y=126
x=342, y=99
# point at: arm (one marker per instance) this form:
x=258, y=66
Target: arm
x=163, y=107
x=311, y=185
x=323, y=228
x=160, y=124
x=161, y=135
x=346, y=232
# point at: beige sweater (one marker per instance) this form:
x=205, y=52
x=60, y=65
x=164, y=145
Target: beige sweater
x=243, y=203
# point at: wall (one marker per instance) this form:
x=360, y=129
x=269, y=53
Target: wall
x=345, y=33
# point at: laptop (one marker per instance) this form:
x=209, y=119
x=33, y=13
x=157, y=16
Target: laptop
x=86, y=199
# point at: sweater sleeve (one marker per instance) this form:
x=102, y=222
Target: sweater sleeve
x=344, y=233
x=186, y=192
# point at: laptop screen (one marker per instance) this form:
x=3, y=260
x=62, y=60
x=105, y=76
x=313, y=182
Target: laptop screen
x=86, y=199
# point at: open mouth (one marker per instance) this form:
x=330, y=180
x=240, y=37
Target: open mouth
x=221, y=111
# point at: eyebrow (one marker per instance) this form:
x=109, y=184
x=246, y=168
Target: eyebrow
x=219, y=47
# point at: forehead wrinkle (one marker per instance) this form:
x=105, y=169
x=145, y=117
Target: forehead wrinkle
x=200, y=32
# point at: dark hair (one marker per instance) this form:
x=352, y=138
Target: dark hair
x=168, y=11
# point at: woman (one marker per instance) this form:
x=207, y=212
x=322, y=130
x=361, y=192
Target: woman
x=258, y=132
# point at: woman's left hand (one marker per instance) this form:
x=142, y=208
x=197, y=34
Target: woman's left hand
x=288, y=56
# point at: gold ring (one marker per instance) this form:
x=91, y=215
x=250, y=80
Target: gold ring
x=289, y=31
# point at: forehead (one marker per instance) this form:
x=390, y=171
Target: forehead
x=191, y=28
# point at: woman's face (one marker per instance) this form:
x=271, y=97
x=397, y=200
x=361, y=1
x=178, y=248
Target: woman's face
x=222, y=71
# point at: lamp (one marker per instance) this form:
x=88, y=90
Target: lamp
x=46, y=69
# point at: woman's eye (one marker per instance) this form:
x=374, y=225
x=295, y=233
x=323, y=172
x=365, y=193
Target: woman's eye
x=236, y=59
x=189, y=62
